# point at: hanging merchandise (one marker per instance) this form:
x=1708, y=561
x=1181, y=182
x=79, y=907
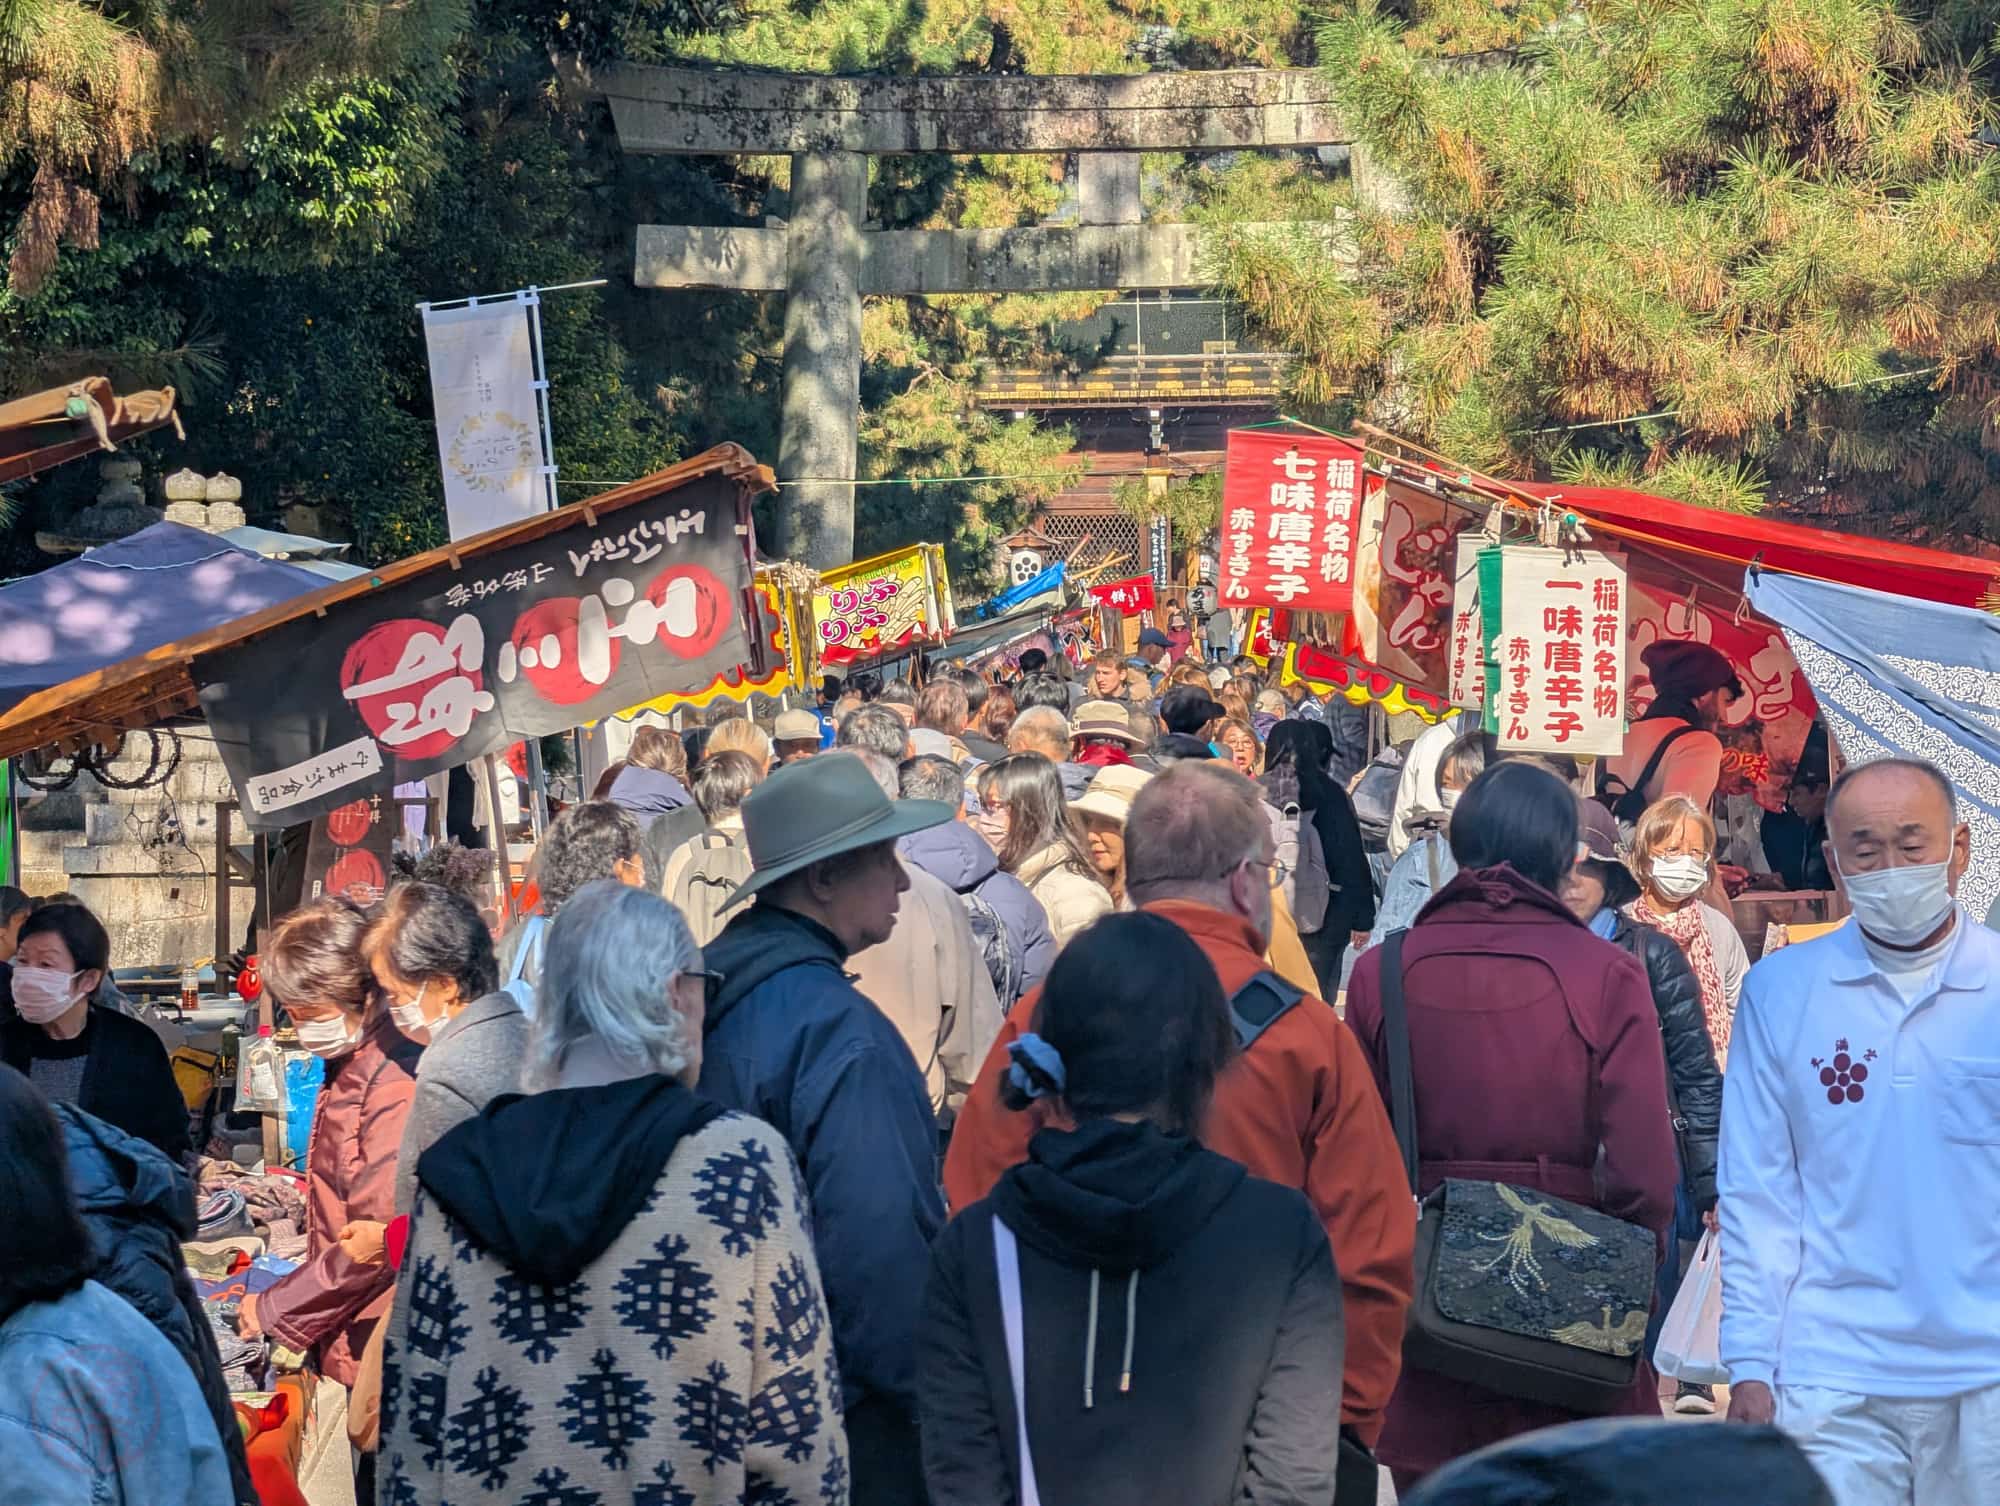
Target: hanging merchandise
x=260, y=1077
x=1555, y=633
x=1288, y=520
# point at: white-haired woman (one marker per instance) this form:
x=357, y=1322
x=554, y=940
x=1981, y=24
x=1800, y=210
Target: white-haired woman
x=609, y=1291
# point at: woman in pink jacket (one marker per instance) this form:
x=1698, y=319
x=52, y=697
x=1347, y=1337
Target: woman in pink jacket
x=325, y=1310
x=1535, y=1049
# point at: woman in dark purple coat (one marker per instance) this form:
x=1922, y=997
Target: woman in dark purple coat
x=1536, y=1055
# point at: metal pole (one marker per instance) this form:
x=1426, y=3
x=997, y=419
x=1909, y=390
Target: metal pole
x=533, y=299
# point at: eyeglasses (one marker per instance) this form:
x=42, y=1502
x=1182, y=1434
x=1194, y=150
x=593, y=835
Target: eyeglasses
x=1279, y=873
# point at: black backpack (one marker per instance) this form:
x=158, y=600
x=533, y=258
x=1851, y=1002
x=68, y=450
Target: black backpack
x=1258, y=1005
x=1628, y=802
x=1006, y=963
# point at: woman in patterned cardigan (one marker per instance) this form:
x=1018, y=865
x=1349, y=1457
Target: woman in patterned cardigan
x=609, y=1296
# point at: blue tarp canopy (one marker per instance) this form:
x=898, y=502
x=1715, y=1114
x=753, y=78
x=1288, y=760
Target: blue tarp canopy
x=1900, y=678
x=162, y=583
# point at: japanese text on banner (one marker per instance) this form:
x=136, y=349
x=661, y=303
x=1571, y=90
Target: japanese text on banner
x=1289, y=505
x=1561, y=643
x=1468, y=674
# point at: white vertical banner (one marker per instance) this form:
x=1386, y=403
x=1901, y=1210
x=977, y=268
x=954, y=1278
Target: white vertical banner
x=1562, y=651
x=1468, y=640
x=485, y=390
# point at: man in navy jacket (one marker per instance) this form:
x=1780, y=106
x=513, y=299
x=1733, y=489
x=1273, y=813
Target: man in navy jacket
x=788, y=1038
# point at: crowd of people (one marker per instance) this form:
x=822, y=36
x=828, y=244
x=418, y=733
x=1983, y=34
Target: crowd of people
x=944, y=1095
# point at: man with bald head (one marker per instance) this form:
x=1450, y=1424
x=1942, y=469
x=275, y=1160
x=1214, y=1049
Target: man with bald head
x=1297, y=1105
x=1860, y=1165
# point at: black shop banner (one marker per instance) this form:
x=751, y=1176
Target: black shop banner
x=448, y=666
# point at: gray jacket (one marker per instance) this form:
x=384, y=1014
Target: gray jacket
x=471, y=1059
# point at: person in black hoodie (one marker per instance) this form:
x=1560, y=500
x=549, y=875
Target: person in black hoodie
x=1174, y=1322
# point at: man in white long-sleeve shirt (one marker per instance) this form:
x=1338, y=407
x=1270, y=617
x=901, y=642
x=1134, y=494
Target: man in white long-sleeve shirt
x=1860, y=1166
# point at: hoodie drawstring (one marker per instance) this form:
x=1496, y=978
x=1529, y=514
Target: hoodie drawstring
x=1090, y=1348
x=1090, y=1339
x=1131, y=1329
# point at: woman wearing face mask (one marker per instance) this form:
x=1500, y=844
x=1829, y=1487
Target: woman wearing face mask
x=1673, y=858
x=76, y=1049
x=1021, y=813
x=1427, y=865
x=602, y=1234
x=432, y=958
x=316, y=964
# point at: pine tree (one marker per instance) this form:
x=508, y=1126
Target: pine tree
x=1738, y=250
x=86, y=88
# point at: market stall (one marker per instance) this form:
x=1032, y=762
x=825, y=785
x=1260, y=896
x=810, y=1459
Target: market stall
x=1532, y=605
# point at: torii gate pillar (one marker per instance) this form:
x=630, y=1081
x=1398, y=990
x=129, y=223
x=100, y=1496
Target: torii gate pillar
x=820, y=401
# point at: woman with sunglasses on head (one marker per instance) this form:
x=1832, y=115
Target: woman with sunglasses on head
x=1023, y=815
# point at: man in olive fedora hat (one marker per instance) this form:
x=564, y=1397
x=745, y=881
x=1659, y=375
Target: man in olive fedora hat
x=788, y=1038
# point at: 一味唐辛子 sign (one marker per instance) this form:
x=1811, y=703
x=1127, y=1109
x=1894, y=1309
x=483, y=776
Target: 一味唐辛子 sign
x=521, y=641
x=1559, y=645
x=1290, y=506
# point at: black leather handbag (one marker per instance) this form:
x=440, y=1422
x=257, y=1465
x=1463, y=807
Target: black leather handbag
x=1517, y=1292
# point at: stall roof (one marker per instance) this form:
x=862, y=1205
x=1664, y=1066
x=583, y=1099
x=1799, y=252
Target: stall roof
x=129, y=596
x=45, y=429
x=1791, y=548
x=156, y=684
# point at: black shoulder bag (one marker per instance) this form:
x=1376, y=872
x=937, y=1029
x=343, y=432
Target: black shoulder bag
x=1517, y=1292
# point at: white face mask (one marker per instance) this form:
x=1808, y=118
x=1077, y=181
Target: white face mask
x=410, y=1018
x=1680, y=877
x=327, y=1038
x=1450, y=799
x=1900, y=906
x=42, y=994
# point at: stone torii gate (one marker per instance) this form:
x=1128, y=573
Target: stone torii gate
x=824, y=261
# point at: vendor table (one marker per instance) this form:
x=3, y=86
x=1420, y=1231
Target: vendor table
x=1755, y=911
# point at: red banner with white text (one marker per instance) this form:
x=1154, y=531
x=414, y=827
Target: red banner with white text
x=1289, y=505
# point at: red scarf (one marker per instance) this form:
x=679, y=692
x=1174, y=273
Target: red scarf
x=1689, y=931
x=1102, y=755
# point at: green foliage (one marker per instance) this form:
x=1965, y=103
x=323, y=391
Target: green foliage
x=1192, y=505
x=1762, y=225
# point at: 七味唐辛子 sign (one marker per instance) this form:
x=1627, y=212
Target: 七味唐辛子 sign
x=1559, y=646
x=1289, y=512
x=521, y=641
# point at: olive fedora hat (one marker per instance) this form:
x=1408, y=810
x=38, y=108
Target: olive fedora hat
x=819, y=808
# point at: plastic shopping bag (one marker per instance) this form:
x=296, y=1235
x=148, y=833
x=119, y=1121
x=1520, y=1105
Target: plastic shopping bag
x=1690, y=1347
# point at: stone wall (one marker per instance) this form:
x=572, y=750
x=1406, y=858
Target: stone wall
x=143, y=860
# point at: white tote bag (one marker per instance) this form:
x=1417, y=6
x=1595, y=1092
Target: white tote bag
x=1690, y=1347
